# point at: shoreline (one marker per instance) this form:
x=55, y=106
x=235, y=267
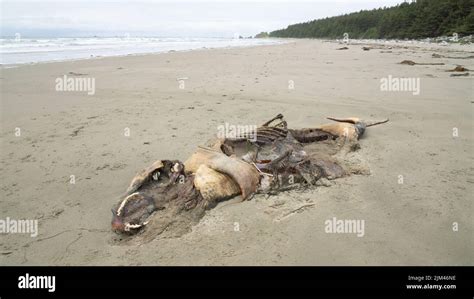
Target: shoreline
x=401, y=43
x=7, y=66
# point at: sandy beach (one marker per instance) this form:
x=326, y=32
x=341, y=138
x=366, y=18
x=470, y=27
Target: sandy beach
x=421, y=165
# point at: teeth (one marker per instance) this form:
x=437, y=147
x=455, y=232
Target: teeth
x=176, y=167
x=156, y=175
x=129, y=226
x=119, y=211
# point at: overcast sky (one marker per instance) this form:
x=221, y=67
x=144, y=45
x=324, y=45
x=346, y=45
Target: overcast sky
x=180, y=18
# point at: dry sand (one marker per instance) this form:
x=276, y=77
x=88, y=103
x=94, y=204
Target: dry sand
x=71, y=133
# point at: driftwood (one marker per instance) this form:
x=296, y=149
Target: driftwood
x=458, y=68
x=460, y=75
x=410, y=62
x=170, y=192
x=435, y=55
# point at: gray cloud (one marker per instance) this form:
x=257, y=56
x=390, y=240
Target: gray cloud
x=167, y=18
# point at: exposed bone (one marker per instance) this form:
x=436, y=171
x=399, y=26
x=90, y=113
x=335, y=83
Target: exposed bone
x=143, y=176
x=352, y=120
x=375, y=123
x=124, y=202
x=176, y=167
x=129, y=226
x=350, y=127
x=279, y=116
x=311, y=135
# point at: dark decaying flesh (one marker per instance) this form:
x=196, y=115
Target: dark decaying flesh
x=277, y=159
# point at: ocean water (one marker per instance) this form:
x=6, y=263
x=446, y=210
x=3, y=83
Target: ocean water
x=27, y=50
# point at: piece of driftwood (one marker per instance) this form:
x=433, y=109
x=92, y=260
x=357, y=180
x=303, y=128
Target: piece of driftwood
x=460, y=75
x=435, y=55
x=410, y=62
x=458, y=68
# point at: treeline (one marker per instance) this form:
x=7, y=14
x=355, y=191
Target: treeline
x=420, y=19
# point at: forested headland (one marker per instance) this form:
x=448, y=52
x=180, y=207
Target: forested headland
x=420, y=19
